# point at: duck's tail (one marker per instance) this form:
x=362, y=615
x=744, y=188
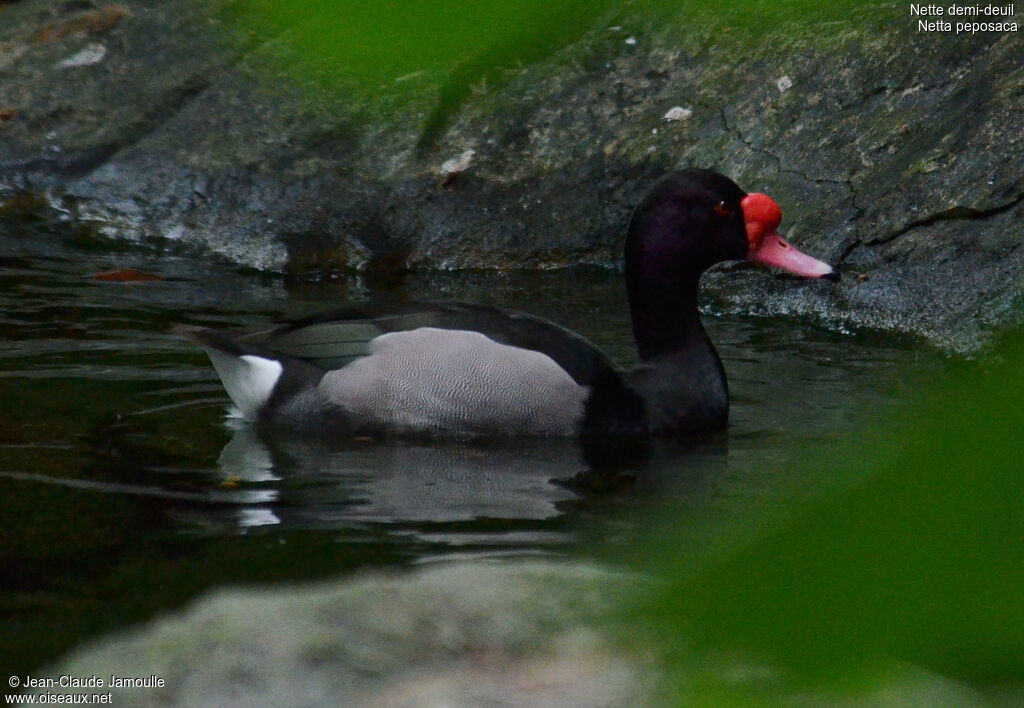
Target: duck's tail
x=248, y=377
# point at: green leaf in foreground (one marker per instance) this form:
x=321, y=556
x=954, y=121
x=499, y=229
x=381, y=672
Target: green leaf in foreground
x=920, y=563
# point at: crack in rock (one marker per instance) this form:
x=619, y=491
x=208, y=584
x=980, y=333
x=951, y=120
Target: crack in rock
x=954, y=213
x=778, y=161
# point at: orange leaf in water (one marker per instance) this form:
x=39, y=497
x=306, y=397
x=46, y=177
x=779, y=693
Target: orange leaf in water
x=126, y=275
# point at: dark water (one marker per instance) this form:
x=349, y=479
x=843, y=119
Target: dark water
x=125, y=490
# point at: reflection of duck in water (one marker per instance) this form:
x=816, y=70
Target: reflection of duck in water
x=472, y=371
x=498, y=494
x=320, y=484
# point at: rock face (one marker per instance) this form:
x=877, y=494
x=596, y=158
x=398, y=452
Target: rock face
x=896, y=154
x=520, y=634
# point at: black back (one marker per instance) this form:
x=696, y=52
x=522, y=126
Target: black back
x=332, y=339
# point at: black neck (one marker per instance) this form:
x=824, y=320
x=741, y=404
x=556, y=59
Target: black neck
x=682, y=380
x=665, y=315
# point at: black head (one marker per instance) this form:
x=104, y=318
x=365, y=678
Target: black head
x=689, y=220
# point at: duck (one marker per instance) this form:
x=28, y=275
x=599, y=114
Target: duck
x=457, y=370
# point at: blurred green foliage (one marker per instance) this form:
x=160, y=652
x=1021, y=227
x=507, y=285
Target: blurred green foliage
x=382, y=41
x=920, y=562
x=458, y=46
x=385, y=40
x=453, y=48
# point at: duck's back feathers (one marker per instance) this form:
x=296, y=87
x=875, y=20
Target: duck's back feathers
x=455, y=383
x=334, y=339
x=459, y=370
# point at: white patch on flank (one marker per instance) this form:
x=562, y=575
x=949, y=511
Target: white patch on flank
x=457, y=382
x=248, y=379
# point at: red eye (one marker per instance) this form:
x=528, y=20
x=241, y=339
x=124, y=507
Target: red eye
x=722, y=209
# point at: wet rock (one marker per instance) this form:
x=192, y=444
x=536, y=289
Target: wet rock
x=895, y=154
x=520, y=634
